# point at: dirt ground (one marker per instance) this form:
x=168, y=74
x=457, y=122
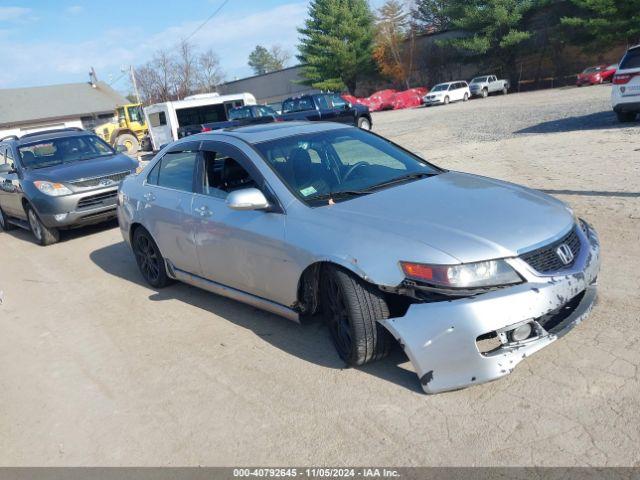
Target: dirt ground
x=98, y=369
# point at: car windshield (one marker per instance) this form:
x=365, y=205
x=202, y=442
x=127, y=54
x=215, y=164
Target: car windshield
x=591, y=70
x=479, y=80
x=240, y=113
x=631, y=59
x=339, y=164
x=57, y=151
x=440, y=88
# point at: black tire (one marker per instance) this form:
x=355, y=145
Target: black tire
x=129, y=141
x=364, y=123
x=43, y=234
x=466, y=97
x=352, y=308
x=446, y=100
x=485, y=93
x=505, y=90
x=5, y=226
x=149, y=259
x=626, y=117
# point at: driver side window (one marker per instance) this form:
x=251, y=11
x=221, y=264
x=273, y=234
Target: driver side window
x=223, y=174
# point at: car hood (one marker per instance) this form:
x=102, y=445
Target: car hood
x=468, y=217
x=96, y=167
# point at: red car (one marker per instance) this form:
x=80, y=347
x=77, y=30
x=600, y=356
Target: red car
x=598, y=74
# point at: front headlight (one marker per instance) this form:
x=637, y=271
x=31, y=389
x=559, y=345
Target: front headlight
x=490, y=273
x=52, y=189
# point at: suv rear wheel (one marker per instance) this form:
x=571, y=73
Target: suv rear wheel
x=149, y=259
x=44, y=235
x=364, y=123
x=626, y=117
x=352, y=308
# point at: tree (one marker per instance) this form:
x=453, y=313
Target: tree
x=492, y=30
x=391, y=52
x=431, y=15
x=336, y=44
x=263, y=61
x=185, y=69
x=209, y=74
x=606, y=22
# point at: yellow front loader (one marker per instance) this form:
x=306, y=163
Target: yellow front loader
x=129, y=129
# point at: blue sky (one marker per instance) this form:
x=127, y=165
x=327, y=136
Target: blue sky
x=56, y=41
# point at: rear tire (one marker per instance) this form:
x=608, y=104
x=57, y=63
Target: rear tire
x=485, y=93
x=44, y=235
x=505, y=90
x=149, y=259
x=352, y=308
x=129, y=141
x=626, y=117
x=5, y=226
x=446, y=100
x=364, y=123
x=466, y=97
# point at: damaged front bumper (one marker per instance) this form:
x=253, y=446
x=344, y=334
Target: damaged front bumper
x=446, y=340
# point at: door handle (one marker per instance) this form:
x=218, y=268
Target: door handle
x=203, y=211
x=149, y=197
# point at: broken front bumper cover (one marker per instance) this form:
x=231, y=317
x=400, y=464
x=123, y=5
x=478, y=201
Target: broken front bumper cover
x=441, y=338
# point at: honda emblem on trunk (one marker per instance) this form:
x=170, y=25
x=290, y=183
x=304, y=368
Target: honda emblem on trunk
x=564, y=254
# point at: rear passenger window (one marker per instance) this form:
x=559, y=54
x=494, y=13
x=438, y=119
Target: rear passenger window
x=631, y=59
x=176, y=171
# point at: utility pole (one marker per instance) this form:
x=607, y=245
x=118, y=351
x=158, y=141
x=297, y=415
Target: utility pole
x=135, y=84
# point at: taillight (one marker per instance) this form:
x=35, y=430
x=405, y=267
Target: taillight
x=623, y=78
x=205, y=129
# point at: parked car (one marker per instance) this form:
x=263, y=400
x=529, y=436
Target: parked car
x=302, y=218
x=59, y=179
x=596, y=75
x=488, y=84
x=247, y=115
x=444, y=93
x=625, y=93
x=326, y=107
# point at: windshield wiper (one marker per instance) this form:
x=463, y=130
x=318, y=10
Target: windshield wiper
x=401, y=179
x=338, y=195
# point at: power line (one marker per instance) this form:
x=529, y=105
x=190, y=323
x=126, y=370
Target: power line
x=207, y=20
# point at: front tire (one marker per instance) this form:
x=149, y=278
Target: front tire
x=44, y=235
x=505, y=90
x=626, y=117
x=130, y=142
x=364, y=123
x=149, y=259
x=352, y=308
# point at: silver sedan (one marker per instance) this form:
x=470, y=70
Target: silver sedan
x=468, y=274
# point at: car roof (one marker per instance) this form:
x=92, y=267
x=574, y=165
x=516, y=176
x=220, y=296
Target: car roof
x=51, y=136
x=265, y=132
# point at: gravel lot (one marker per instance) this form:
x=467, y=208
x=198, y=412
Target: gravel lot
x=97, y=369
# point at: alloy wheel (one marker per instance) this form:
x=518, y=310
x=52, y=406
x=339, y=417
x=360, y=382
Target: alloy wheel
x=34, y=223
x=338, y=318
x=147, y=258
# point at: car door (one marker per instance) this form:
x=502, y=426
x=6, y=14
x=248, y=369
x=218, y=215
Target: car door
x=167, y=202
x=10, y=186
x=343, y=111
x=239, y=249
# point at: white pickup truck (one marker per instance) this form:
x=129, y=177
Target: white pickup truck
x=483, y=86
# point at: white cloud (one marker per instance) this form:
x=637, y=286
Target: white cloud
x=75, y=9
x=13, y=13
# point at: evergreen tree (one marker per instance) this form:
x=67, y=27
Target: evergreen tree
x=493, y=30
x=336, y=44
x=431, y=15
x=260, y=60
x=606, y=22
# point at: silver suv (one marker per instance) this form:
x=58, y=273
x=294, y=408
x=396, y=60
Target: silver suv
x=470, y=275
x=58, y=179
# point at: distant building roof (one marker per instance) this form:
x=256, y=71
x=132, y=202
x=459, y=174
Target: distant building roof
x=24, y=105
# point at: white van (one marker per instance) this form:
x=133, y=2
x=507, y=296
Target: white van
x=164, y=119
x=625, y=92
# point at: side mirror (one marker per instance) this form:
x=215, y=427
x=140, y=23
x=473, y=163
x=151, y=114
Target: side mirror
x=348, y=105
x=247, y=199
x=121, y=149
x=6, y=168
